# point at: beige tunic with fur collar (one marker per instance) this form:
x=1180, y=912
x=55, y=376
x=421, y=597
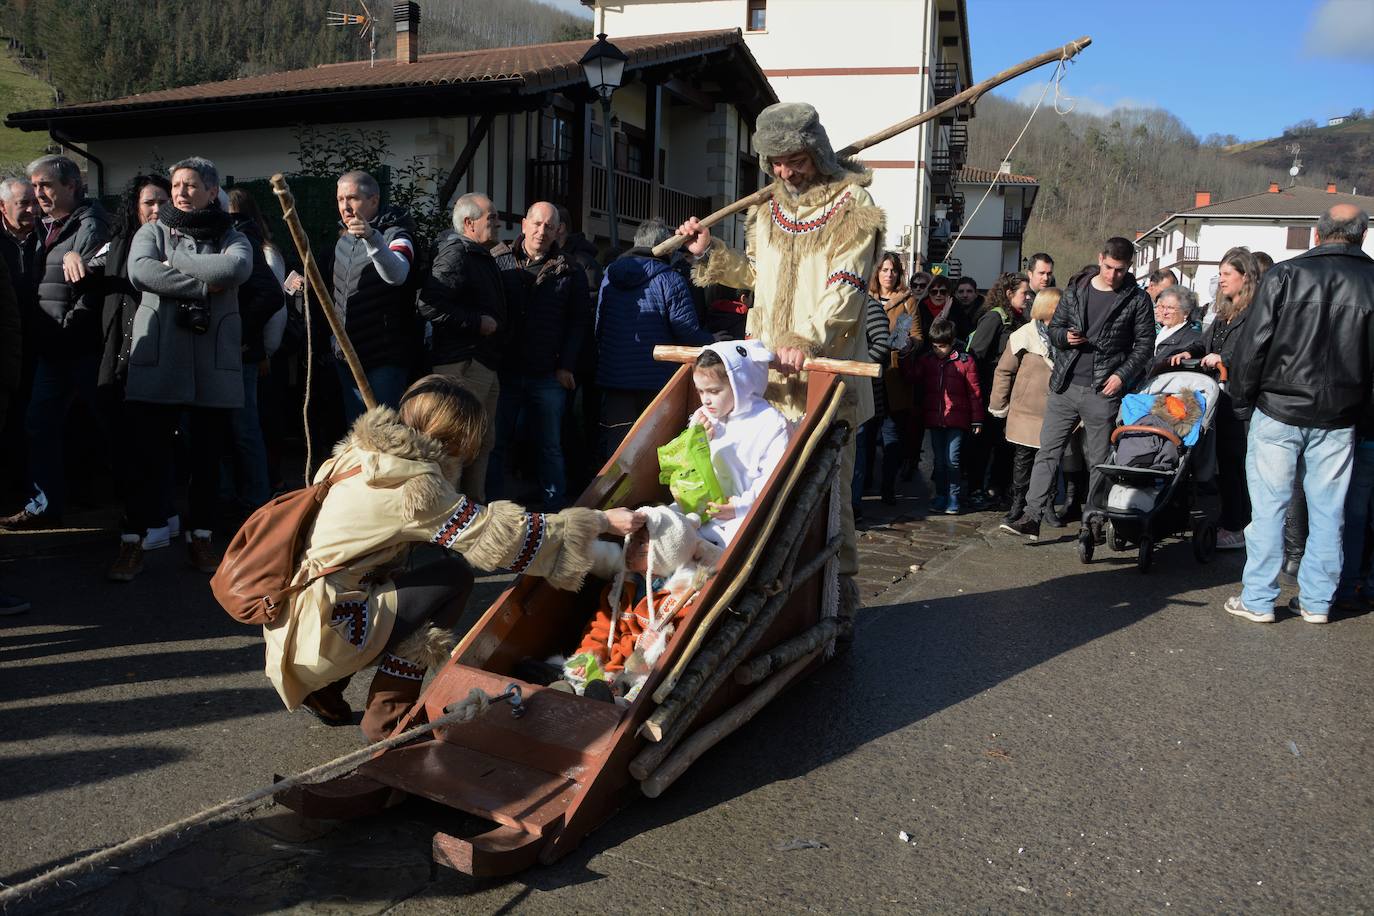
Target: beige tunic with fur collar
x=808, y=259
x=402, y=497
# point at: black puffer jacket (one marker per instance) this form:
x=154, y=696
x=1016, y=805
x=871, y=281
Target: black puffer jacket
x=1122, y=344
x=380, y=318
x=259, y=298
x=464, y=284
x=1306, y=356
x=555, y=314
x=68, y=316
x=117, y=318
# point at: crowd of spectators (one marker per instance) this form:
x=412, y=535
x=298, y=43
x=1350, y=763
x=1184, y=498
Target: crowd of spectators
x=178, y=324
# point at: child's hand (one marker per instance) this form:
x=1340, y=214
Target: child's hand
x=705, y=422
x=723, y=511
x=977, y=428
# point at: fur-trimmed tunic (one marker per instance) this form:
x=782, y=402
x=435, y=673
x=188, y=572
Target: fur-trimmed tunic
x=403, y=496
x=808, y=258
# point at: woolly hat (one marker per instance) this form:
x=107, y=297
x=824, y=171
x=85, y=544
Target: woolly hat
x=746, y=365
x=790, y=127
x=672, y=539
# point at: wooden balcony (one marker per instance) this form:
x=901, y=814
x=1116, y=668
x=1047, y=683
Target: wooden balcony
x=552, y=181
x=1012, y=228
x=1189, y=253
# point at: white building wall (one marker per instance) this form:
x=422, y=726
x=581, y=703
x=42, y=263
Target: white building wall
x=802, y=54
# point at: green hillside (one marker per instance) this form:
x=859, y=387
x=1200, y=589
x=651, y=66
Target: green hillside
x=1344, y=152
x=18, y=91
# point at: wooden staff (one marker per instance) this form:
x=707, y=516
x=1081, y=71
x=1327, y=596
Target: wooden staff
x=672, y=353
x=316, y=281
x=969, y=96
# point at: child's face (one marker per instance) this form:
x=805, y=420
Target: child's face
x=942, y=349
x=637, y=551
x=716, y=395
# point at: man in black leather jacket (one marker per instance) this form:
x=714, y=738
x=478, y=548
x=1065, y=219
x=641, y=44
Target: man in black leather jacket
x=1103, y=337
x=1305, y=364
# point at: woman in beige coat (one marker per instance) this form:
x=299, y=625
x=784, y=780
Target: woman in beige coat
x=383, y=607
x=1020, y=388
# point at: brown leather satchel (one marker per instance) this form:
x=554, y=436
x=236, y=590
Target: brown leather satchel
x=253, y=581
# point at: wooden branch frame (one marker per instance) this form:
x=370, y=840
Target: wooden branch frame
x=672, y=353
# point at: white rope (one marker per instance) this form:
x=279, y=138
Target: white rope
x=466, y=710
x=1060, y=70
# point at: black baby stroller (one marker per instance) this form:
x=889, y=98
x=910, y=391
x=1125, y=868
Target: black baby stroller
x=1146, y=491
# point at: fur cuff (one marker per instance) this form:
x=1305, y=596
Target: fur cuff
x=429, y=647
x=720, y=264
x=580, y=530
x=797, y=342
x=502, y=534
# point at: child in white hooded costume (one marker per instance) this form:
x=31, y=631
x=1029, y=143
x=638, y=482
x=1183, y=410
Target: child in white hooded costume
x=748, y=435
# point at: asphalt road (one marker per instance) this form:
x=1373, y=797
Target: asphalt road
x=1046, y=736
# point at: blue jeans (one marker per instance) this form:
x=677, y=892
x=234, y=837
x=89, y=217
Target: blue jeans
x=1271, y=463
x=946, y=443
x=1359, y=508
x=250, y=451
x=543, y=402
x=57, y=383
x=388, y=384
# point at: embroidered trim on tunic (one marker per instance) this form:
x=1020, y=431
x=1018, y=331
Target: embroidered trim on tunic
x=457, y=523
x=799, y=226
x=404, y=668
x=534, y=539
x=849, y=278
x=350, y=620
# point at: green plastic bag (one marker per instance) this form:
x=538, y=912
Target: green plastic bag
x=684, y=464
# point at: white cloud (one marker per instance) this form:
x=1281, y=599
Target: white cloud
x=1342, y=29
x=1082, y=104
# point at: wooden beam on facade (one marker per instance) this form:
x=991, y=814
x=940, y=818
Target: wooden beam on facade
x=653, y=120
x=464, y=160
x=691, y=95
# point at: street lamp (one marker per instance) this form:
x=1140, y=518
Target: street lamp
x=604, y=66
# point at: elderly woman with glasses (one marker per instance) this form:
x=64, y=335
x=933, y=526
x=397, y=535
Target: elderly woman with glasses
x=1175, y=331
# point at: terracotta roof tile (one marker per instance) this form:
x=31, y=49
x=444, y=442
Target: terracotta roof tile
x=532, y=67
x=1297, y=201
x=970, y=175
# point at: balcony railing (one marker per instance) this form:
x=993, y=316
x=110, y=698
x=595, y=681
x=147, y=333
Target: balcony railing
x=1012, y=228
x=552, y=181
x=947, y=82
x=1190, y=253
x=940, y=163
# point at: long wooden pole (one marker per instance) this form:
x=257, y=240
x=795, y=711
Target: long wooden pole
x=967, y=97
x=317, y=284
x=673, y=353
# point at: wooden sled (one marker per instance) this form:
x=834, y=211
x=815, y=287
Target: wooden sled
x=547, y=776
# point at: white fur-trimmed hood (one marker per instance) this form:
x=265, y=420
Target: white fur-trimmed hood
x=393, y=454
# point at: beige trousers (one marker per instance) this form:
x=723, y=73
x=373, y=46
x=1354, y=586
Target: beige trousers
x=482, y=382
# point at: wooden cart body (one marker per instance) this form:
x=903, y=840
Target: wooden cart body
x=547, y=778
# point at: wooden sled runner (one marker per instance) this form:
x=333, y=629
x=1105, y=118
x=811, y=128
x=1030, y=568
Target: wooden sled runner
x=547, y=767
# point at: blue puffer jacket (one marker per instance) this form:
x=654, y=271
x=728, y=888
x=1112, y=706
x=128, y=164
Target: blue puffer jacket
x=643, y=302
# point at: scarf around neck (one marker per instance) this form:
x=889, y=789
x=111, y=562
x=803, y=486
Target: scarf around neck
x=201, y=225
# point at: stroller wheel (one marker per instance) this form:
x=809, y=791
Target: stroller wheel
x=1085, y=549
x=1204, y=541
x=1145, y=555
x=1116, y=539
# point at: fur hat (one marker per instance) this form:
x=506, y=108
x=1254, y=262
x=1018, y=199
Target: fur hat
x=790, y=127
x=672, y=539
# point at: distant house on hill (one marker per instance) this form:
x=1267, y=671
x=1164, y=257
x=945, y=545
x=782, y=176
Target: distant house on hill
x=1279, y=222
x=864, y=64
x=992, y=239
x=520, y=123
x=1332, y=122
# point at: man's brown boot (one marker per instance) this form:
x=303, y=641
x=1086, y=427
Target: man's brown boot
x=328, y=704
x=129, y=563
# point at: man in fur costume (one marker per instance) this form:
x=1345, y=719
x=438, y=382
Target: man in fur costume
x=809, y=252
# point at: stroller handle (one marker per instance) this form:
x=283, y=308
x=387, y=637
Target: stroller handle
x=1196, y=366
x=1153, y=430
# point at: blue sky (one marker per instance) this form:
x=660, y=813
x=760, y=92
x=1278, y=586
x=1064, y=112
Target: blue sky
x=1243, y=67
x=1224, y=66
